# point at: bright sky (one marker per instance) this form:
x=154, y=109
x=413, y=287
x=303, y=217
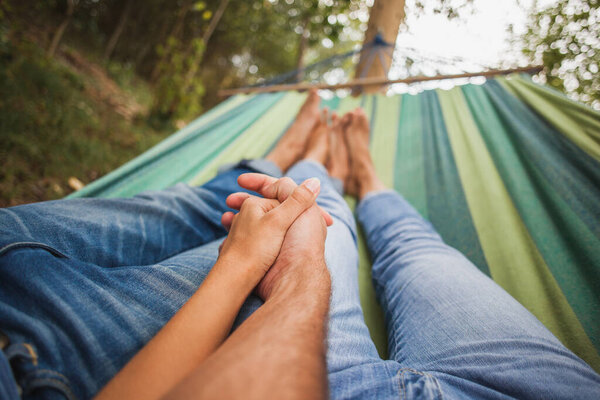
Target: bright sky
x=480, y=37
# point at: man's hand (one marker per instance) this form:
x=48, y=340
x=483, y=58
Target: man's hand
x=280, y=350
x=256, y=233
x=300, y=264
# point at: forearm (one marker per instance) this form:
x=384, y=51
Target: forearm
x=279, y=352
x=193, y=333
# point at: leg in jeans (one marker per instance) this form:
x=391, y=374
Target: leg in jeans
x=142, y=230
x=449, y=325
x=354, y=367
x=82, y=320
x=85, y=321
x=447, y=318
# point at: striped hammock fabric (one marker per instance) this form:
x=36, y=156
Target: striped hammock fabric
x=508, y=172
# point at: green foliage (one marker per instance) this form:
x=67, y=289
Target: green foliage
x=51, y=129
x=177, y=94
x=57, y=122
x=565, y=37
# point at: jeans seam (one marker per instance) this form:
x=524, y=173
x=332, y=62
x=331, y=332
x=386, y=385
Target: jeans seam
x=33, y=381
x=59, y=385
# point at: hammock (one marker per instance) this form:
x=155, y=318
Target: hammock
x=508, y=172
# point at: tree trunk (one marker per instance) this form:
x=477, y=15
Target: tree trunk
x=114, y=38
x=385, y=19
x=302, y=45
x=195, y=65
x=214, y=22
x=61, y=28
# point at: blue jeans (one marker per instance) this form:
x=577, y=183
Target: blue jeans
x=85, y=283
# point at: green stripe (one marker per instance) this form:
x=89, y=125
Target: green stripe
x=348, y=104
x=513, y=258
x=121, y=182
x=446, y=203
x=563, y=239
x=409, y=166
x=384, y=122
x=257, y=138
x=193, y=154
x=384, y=136
x=571, y=172
x=373, y=313
x=576, y=121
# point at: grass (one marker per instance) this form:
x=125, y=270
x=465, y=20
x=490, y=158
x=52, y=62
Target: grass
x=52, y=129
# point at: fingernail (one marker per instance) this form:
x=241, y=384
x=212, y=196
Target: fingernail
x=313, y=184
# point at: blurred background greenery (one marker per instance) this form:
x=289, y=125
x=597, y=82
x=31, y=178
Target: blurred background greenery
x=86, y=85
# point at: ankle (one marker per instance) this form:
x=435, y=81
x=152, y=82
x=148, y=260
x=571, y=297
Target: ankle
x=367, y=180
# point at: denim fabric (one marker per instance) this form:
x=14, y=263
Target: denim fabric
x=448, y=321
x=86, y=283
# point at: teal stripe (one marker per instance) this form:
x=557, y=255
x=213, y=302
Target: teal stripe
x=538, y=174
x=409, y=169
x=183, y=161
x=572, y=172
x=447, y=207
x=205, y=123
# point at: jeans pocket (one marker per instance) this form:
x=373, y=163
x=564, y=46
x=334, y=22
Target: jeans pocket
x=31, y=379
x=31, y=245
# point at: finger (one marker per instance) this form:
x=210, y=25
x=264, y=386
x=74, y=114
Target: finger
x=326, y=217
x=227, y=220
x=258, y=205
x=302, y=198
x=235, y=200
x=238, y=199
x=267, y=186
x=255, y=182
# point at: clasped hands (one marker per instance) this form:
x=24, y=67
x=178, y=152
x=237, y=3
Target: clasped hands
x=277, y=241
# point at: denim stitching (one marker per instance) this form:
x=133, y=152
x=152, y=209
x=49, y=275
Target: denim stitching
x=36, y=380
x=50, y=371
x=59, y=385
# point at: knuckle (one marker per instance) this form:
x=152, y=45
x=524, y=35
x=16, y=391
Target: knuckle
x=274, y=219
x=249, y=203
x=287, y=181
x=286, y=187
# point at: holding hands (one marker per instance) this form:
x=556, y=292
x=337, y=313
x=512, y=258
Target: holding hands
x=279, y=238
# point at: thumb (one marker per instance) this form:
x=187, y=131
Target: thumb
x=302, y=198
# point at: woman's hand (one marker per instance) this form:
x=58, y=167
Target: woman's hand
x=300, y=263
x=256, y=233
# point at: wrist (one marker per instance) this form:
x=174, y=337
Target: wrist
x=239, y=271
x=305, y=278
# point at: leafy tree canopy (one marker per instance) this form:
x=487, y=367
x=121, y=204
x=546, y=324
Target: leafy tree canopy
x=565, y=37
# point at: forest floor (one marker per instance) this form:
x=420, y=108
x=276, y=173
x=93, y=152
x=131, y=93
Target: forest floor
x=66, y=121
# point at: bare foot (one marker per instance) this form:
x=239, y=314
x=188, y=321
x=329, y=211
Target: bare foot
x=317, y=147
x=363, y=178
x=291, y=146
x=338, y=164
